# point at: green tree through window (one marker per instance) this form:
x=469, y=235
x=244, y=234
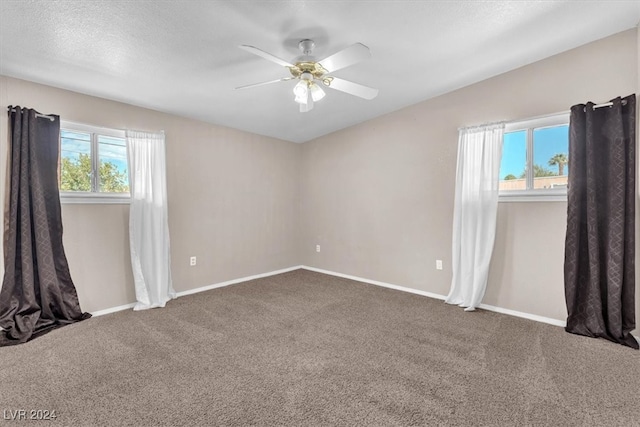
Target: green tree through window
x=111, y=179
x=539, y=172
x=560, y=160
x=76, y=173
x=76, y=176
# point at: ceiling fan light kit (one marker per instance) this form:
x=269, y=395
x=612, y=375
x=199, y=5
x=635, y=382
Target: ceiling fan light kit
x=310, y=73
x=316, y=92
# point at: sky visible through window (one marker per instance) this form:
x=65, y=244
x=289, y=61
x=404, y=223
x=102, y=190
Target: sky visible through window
x=547, y=143
x=111, y=149
x=75, y=143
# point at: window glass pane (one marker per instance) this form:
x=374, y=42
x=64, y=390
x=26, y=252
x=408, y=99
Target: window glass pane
x=75, y=161
x=550, y=157
x=112, y=157
x=514, y=161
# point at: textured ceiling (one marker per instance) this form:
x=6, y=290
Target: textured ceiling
x=182, y=57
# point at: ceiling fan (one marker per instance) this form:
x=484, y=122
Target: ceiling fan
x=311, y=74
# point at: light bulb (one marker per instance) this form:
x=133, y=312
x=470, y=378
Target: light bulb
x=316, y=92
x=301, y=91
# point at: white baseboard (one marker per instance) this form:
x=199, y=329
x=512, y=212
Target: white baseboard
x=515, y=313
x=377, y=283
x=112, y=309
x=197, y=290
x=529, y=316
x=234, y=281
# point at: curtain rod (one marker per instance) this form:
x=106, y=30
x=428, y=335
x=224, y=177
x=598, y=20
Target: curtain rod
x=491, y=125
x=44, y=116
x=608, y=104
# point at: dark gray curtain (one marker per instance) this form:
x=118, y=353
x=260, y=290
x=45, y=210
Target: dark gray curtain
x=599, y=269
x=37, y=293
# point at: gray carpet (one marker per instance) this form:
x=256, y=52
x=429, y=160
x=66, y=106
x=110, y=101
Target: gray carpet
x=303, y=349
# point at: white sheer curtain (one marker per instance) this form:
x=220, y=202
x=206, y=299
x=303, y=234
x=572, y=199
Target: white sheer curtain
x=148, y=219
x=475, y=211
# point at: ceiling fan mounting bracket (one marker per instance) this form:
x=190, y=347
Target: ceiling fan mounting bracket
x=306, y=46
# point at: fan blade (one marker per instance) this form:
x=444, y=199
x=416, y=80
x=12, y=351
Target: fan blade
x=351, y=55
x=265, y=55
x=351, y=88
x=265, y=83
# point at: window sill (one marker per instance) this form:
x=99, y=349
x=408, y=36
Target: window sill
x=532, y=196
x=94, y=199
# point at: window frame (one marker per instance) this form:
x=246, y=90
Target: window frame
x=91, y=197
x=531, y=194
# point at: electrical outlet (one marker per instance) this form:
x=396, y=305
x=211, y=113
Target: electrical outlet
x=317, y=248
x=438, y=264
x=192, y=261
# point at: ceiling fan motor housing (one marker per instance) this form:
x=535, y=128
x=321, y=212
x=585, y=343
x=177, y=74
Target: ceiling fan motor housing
x=306, y=67
x=306, y=46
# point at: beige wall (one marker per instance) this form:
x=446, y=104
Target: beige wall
x=232, y=199
x=378, y=197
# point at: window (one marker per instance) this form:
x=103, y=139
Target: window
x=535, y=156
x=93, y=164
